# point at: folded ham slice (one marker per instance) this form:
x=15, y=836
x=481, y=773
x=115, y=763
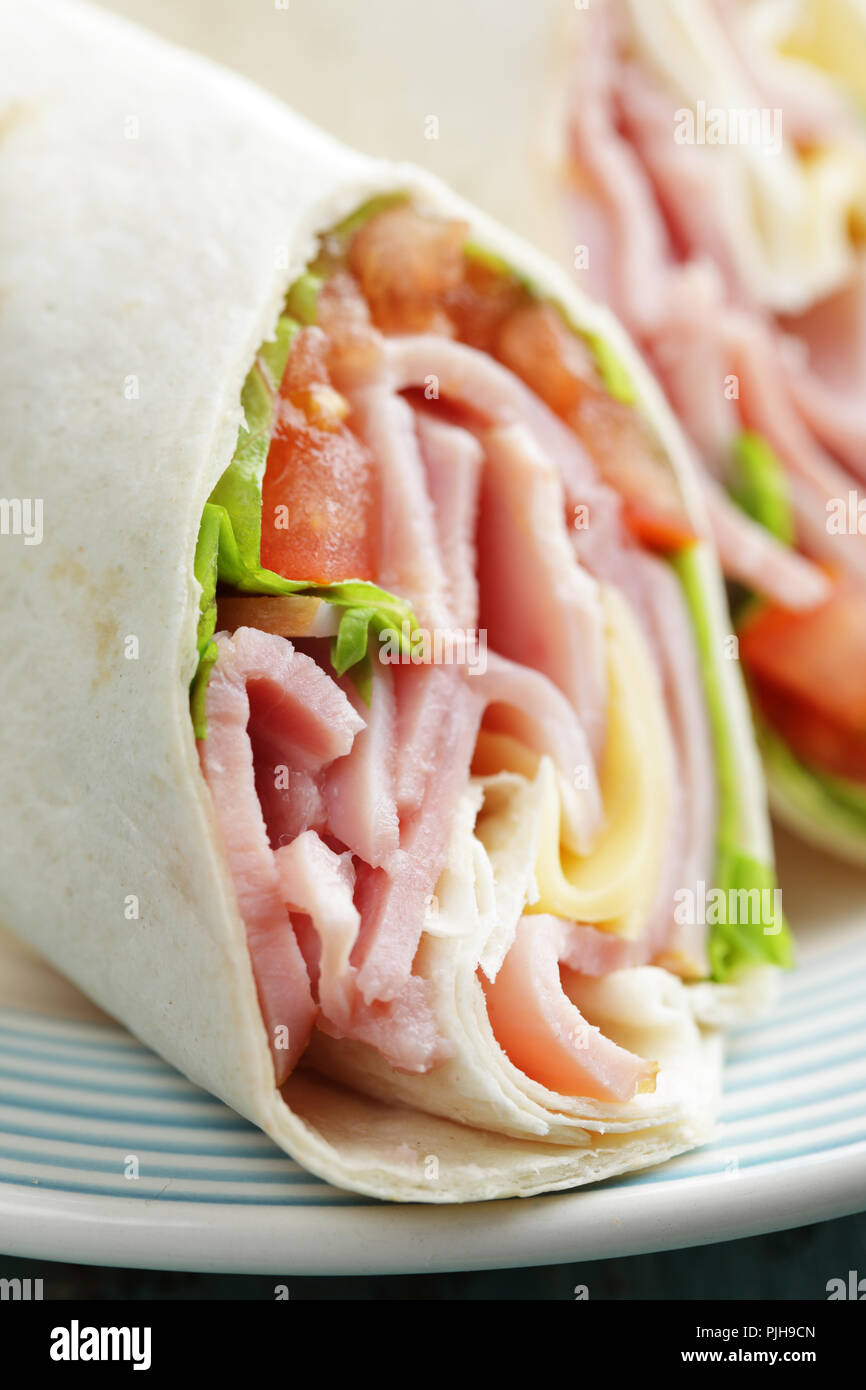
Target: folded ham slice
x=539, y=1027
x=539, y=606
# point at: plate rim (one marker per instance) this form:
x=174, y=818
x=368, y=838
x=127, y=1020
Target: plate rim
x=603, y=1222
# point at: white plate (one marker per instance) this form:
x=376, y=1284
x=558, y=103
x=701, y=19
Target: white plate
x=78, y=1095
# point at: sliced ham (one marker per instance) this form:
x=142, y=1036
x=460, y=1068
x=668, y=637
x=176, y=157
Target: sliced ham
x=543, y=1032
x=444, y=706
x=409, y=562
x=528, y=447
x=360, y=789
x=394, y=899
x=422, y=697
x=296, y=897
x=540, y=608
x=404, y=1030
x=316, y=881
x=260, y=683
x=291, y=799
x=531, y=709
x=489, y=393
x=749, y=555
x=827, y=375
x=452, y=461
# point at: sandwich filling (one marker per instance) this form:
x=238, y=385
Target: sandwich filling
x=449, y=551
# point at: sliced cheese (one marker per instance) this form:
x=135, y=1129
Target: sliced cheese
x=614, y=886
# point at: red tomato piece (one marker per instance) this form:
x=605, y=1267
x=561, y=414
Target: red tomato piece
x=811, y=736
x=319, y=489
x=817, y=656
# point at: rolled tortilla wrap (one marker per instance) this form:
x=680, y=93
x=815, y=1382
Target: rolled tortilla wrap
x=183, y=205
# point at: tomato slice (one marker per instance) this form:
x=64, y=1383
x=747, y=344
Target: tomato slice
x=406, y=263
x=817, y=656
x=319, y=489
x=811, y=736
x=555, y=364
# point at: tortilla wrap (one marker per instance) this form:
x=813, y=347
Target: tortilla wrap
x=157, y=209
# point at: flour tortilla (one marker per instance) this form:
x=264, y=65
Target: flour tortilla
x=155, y=211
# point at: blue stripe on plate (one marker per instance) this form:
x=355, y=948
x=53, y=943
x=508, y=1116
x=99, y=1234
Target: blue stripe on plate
x=795, y=1087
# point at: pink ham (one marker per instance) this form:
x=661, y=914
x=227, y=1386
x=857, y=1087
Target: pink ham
x=452, y=461
x=542, y=1031
x=318, y=888
x=291, y=799
x=773, y=570
x=394, y=899
x=409, y=562
x=445, y=705
x=540, y=455
x=611, y=199
x=261, y=687
x=423, y=695
x=489, y=393
x=360, y=790
x=260, y=683
x=530, y=708
x=540, y=608
x=684, y=181
x=319, y=883
x=404, y=1030
x=691, y=361
x=827, y=375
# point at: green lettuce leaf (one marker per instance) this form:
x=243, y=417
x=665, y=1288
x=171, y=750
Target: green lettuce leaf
x=762, y=939
x=732, y=946
x=302, y=299
x=367, y=609
x=760, y=487
x=614, y=375
x=205, y=568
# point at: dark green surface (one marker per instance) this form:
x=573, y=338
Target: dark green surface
x=787, y=1265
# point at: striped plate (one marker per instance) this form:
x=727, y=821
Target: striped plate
x=78, y=1095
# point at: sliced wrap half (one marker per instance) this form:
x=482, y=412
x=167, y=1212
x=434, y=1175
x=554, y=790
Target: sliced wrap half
x=373, y=745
